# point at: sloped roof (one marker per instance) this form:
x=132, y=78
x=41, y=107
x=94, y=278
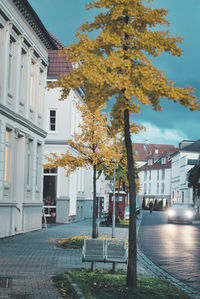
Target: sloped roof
x=58, y=63
x=156, y=165
x=57, y=42
x=34, y=21
x=144, y=150
x=194, y=147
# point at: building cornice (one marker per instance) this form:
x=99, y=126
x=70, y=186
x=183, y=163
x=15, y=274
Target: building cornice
x=34, y=21
x=22, y=121
x=56, y=142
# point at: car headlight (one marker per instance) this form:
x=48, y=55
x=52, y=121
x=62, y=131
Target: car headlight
x=171, y=213
x=189, y=214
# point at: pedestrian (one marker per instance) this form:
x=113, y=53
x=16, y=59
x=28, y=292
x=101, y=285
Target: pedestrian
x=151, y=207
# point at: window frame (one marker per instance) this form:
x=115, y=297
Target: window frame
x=10, y=64
x=32, y=87
x=50, y=118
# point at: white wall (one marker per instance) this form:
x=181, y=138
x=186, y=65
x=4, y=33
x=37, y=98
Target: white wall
x=20, y=204
x=78, y=186
x=179, y=185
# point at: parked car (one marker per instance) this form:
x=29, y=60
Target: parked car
x=181, y=212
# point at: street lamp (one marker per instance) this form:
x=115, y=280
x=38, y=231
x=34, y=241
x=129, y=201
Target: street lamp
x=113, y=215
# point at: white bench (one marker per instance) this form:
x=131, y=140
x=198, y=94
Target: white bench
x=106, y=251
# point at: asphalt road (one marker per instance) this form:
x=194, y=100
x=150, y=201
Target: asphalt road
x=173, y=247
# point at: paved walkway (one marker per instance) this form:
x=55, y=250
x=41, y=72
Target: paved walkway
x=28, y=261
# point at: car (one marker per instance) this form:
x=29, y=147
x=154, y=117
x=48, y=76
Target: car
x=181, y=212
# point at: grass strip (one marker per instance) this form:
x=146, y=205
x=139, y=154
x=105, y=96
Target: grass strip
x=102, y=284
x=75, y=242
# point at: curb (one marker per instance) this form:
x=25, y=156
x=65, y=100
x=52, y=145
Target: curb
x=160, y=273
x=76, y=287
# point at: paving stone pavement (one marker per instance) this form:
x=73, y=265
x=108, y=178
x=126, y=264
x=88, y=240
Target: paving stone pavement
x=28, y=261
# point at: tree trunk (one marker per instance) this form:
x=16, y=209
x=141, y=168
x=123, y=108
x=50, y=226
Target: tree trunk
x=132, y=252
x=94, y=220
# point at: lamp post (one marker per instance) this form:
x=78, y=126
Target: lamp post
x=113, y=215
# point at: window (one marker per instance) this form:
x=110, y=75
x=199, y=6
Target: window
x=183, y=196
x=32, y=85
x=10, y=62
x=162, y=188
x=21, y=78
x=150, y=162
x=7, y=156
x=28, y=176
x=157, y=188
x=52, y=121
x=41, y=92
x=145, y=188
x=50, y=170
x=149, y=188
x=149, y=175
x=163, y=174
x=157, y=174
x=145, y=175
x=136, y=152
x=164, y=160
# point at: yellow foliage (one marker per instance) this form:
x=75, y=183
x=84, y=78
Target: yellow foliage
x=94, y=146
x=114, y=63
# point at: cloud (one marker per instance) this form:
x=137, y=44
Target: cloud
x=158, y=135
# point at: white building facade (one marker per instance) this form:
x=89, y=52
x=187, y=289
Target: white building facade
x=24, y=45
x=154, y=163
x=182, y=161
x=73, y=195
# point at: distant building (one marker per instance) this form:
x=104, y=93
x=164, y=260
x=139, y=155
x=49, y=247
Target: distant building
x=24, y=45
x=182, y=161
x=154, y=162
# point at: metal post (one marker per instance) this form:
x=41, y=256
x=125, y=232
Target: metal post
x=113, y=216
x=98, y=216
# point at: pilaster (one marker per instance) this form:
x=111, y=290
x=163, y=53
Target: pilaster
x=5, y=53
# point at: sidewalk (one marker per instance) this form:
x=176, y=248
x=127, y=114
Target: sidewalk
x=28, y=261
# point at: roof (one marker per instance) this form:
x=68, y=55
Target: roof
x=58, y=65
x=57, y=42
x=193, y=147
x=156, y=165
x=34, y=21
x=143, y=151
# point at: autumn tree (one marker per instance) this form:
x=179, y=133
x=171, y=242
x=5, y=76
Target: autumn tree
x=116, y=63
x=94, y=147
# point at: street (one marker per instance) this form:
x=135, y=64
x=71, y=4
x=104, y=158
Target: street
x=173, y=247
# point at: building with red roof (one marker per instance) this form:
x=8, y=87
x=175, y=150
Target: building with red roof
x=71, y=197
x=154, y=161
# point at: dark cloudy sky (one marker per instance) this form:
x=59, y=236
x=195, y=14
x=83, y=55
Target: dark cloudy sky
x=175, y=123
